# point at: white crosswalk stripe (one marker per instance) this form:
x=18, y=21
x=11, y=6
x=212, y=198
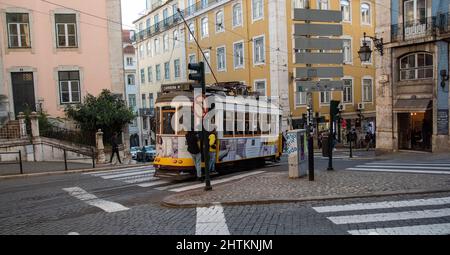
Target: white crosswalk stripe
x=406, y=212
x=144, y=177
x=396, y=167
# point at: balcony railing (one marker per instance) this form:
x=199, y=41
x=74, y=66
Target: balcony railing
x=173, y=20
x=146, y=111
x=430, y=26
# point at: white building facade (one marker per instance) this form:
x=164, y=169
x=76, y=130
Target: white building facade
x=160, y=58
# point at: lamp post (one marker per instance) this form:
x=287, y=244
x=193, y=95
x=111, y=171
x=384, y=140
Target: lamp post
x=365, y=52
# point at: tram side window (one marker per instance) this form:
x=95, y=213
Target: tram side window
x=183, y=125
x=265, y=123
x=258, y=124
x=239, y=128
x=247, y=124
x=228, y=123
x=252, y=123
x=167, y=122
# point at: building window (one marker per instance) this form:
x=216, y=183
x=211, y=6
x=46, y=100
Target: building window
x=416, y=66
x=158, y=72
x=300, y=4
x=300, y=98
x=220, y=26
x=130, y=79
x=18, y=30
x=415, y=20
x=323, y=4
x=258, y=50
x=348, y=91
x=204, y=3
x=142, y=76
x=238, y=54
x=69, y=87
x=132, y=100
x=66, y=30
x=167, y=71
x=176, y=68
x=156, y=18
x=260, y=87
x=156, y=46
x=165, y=17
x=165, y=42
x=257, y=9
x=207, y=60
x=150, y=74
x=192, y=29
x=204, y=28
x=144, y=125
x=346, y=10
x=325, y=97
x=347, y=44
x=149, y=48
x=144, y=101
x=175, y=38
x=221, y=59
x=151, y=101
x=129, y=61
x=365, y=13
x=367, y=90
x=237, y=15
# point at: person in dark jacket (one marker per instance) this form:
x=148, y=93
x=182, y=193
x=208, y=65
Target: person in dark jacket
x=115, y=148
x=193, y=147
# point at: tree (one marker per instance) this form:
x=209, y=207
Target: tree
x=107, y=112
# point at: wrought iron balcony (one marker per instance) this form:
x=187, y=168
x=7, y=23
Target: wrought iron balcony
x=146, y=111
x=421, y=28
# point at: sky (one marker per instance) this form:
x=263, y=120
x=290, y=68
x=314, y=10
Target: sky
x=130, y=12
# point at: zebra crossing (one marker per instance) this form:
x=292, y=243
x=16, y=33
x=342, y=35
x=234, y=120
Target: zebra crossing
x=428, y=216
x=144, y=177
x=404, y=167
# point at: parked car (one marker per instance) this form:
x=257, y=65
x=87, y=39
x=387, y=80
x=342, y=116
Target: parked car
x=134, y=151
x=150, y=152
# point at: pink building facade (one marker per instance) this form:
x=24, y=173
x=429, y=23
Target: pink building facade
x=53, y=53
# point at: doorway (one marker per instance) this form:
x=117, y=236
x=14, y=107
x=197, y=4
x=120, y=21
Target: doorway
x=415, y=131
x=23, y=92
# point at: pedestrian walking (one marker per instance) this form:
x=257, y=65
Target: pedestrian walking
x=193, y=148
x=212, y=150
x=319, y=140
x=115, y=148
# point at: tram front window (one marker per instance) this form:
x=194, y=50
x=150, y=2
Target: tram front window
x=167, y=116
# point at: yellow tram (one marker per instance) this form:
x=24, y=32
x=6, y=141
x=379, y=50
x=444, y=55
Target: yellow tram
x=248, y=128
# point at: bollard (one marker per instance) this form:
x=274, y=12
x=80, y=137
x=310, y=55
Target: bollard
x=93, y=157
x=65, y=160
x=20, y=162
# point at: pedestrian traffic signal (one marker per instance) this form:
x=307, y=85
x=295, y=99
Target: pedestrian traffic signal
x=199, y=76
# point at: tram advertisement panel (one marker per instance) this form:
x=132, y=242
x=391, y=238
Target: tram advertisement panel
x=246, y=148
x=172, y=147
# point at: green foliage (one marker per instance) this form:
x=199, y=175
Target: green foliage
x=43, y=120
x=107, y=112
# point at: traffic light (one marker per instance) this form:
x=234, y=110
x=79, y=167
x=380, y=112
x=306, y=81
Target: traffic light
x=334, y=109
x=199, y=76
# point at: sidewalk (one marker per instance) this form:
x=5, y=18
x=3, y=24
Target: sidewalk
x=276, y=187
x=36, y=168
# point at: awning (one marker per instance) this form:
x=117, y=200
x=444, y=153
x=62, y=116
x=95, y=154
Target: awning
x=412, y=105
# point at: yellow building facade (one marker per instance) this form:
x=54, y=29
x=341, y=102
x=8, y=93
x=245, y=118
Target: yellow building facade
x=358, y=97
x=252, y=41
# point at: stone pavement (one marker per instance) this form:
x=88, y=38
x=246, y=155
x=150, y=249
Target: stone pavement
x=276, y=187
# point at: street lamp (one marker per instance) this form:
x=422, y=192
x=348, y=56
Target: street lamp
x=365, y=52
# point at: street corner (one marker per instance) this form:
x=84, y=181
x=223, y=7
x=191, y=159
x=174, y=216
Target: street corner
x=277, y=187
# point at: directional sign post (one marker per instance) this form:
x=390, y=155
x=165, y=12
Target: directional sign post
x=312, y=50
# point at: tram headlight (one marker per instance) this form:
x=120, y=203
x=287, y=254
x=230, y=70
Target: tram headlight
x=180, y=161
x=174, y=161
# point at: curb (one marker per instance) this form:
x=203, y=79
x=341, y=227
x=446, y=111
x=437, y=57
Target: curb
x=306, y=199
x=61, y=172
